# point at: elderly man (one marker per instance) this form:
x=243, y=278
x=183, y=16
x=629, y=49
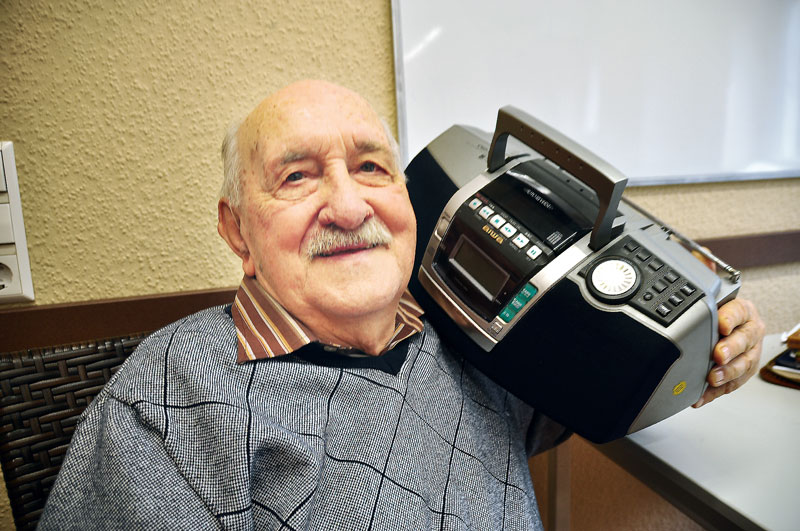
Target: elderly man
x=320, y=399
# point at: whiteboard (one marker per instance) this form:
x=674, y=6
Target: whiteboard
x=679, y=91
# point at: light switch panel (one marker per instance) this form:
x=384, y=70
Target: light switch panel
x=6, y=230
x=3, y=185
x=16, y=283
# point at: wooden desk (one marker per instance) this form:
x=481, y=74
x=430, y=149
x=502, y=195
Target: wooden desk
x=732, y=464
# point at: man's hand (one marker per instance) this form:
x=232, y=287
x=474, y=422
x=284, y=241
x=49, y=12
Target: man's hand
x=738, y=351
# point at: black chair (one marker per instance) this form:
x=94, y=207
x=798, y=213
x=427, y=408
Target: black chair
x=44, y=392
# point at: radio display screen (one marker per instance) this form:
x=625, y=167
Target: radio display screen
x=476, y=267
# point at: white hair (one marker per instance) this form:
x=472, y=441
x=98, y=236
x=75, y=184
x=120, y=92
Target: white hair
x=393, y=145
x=232, y=161
x=232, y=165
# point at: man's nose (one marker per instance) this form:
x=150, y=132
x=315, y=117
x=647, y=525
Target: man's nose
x=344, y=205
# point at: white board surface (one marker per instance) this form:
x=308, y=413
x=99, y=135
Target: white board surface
x=680, y=91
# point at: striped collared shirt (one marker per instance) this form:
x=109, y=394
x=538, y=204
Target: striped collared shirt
x=265, y=329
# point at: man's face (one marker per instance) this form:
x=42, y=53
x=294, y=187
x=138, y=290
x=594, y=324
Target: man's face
x=317, y=157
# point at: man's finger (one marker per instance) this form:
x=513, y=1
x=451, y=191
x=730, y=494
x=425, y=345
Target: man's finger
x=726, y=378
x=744, y=365
x=743, y=339
x=735, y=313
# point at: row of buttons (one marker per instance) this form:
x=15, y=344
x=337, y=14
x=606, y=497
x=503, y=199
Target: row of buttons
x=508, y=230
x=673, y=299
x=661, y=284
x=518, y=302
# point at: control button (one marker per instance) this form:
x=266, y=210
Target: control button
x=496, y=328
x=507, y=314
x=508, y=229
x=671, y=277
x=485, y=212
x=648, y=296
x=497, y=221
x=533, y=252
x=643, y=255
x=520, y=241
x=614, y=277
x=660, y=286
x=631, y=246
x=687, y=290
x=655, y=264
x=675, y=300
x=475, y=203
x=517, y=303
x=663, y=311
x=528, y=292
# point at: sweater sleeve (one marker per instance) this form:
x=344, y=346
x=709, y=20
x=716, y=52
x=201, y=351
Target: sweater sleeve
x=117, y=470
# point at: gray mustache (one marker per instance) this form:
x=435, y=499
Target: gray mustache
x=371, y=233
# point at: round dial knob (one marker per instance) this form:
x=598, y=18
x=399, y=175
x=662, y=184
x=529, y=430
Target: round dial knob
x=613, y=280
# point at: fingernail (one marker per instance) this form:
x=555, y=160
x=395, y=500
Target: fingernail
x=699, y=402
x=725, y=350
x=716, y=377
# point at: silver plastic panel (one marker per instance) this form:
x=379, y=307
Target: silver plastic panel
x=488, y=333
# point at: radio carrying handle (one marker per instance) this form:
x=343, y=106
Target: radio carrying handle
x=607, y=182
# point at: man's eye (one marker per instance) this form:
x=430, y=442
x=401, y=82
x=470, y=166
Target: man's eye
x=369, y=167
x=294, y=177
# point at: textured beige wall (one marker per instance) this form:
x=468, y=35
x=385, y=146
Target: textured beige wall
x=117, y=111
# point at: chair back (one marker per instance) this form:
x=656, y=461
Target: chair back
x=44, y=392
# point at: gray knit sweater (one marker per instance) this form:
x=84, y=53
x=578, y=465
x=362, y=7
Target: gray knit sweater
x=183, y=437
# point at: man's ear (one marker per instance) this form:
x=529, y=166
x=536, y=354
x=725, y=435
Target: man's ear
x=229, y=227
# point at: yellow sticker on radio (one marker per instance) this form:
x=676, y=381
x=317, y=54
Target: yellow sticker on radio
x=678, y=389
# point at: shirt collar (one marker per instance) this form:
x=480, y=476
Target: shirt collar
x=265, y=329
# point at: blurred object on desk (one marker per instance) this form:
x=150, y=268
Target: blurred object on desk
x=793, y=341
x=784, y=369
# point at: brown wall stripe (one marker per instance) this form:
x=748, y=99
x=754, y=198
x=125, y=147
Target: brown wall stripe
x=757, y=250
x=61, y=324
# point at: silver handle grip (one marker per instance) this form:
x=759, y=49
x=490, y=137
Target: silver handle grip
x=607, y=182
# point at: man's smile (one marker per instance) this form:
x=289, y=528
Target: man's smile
x=347, y=249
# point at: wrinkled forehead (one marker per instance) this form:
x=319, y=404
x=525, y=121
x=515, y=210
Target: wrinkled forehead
x=312, y=116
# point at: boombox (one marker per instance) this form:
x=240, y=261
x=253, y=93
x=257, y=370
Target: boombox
x=532, y=266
